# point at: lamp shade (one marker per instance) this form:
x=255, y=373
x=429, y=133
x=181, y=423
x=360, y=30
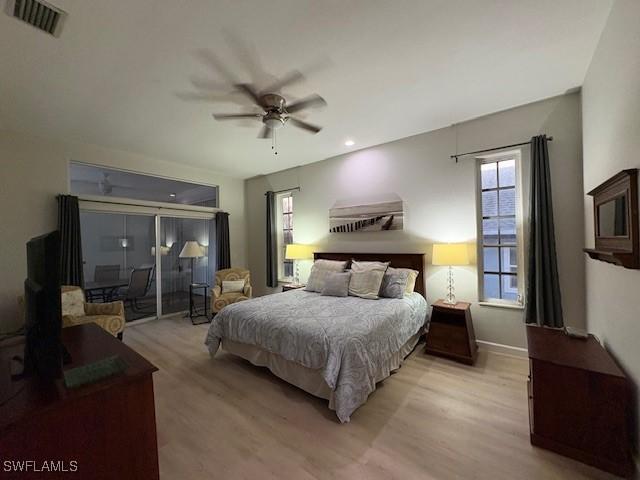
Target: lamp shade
x=295, y=251
x=450, y=254
x=191, y=249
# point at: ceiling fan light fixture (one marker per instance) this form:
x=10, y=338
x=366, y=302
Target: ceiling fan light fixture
x=273, y=121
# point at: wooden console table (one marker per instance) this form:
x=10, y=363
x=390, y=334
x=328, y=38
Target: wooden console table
x=108, y=428
x=579, y=400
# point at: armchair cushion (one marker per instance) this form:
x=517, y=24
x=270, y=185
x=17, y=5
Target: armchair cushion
x=114, y=324
x=227, y=299
x=112, y=308
x=72, y=301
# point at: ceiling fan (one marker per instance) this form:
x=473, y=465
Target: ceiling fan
x=276, y=113
x=104, y=185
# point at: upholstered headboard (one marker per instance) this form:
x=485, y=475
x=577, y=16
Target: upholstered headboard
x=414, y=261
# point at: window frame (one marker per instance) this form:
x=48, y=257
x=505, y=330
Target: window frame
x=280, y=236
x=516, y=155
x=137, y=201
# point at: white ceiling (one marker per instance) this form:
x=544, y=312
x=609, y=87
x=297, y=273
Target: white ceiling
x=119, y=73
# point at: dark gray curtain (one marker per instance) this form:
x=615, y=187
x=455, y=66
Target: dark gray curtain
x=71, y=268
x=543, y=303
x=212, y=253
x=272, y=242
x=223, y=247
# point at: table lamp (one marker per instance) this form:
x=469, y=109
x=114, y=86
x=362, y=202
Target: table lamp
x=450, y=254
x=192, y=250
x=296, y=251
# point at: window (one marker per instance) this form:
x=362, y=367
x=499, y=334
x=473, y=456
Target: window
x=94, y=180
x=285, y=236
x=499, y=229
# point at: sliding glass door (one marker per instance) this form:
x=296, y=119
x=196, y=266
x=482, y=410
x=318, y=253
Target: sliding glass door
x=119, y=261
x=123, y=260
x=185, y=245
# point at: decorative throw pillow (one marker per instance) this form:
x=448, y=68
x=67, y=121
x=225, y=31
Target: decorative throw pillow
x=232, y=286
x=320, y=270
x=394, y=284
x=411, y=281
x=336, y=284
x=366, y=279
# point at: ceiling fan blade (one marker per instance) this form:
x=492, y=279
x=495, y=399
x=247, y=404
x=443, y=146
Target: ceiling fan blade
x=265, y=132
x=311, y=101
x=304, y=125
x=250, y=92
x=235, y=116
x=291, y=77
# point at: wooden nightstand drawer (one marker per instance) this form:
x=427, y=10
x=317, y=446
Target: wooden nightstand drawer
x=448, y=338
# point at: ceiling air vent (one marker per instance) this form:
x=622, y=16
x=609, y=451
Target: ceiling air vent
x=39, y=14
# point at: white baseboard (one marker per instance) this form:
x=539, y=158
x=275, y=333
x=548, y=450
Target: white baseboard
x=503, y=349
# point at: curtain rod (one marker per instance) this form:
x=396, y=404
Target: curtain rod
x=285, y=190
x=549, y=139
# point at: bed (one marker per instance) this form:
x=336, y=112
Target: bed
x=336, y=348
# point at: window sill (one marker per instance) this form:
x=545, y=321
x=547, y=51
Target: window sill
x=502, y=305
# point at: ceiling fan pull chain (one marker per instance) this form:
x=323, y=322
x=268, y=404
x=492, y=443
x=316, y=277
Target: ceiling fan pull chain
x=275, y=142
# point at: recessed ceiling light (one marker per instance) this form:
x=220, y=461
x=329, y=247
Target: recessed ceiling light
x=349, y=143
x=172, y=195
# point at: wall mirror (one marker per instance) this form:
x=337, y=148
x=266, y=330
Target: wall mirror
x=615, y=218
x=612, y=217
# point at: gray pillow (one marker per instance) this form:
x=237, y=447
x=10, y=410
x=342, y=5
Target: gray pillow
x=320, y=270
x=336, y=284
x=394, y=283
x=366, y=278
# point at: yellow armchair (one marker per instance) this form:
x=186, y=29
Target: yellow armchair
x=76, y=311
x=220, y=299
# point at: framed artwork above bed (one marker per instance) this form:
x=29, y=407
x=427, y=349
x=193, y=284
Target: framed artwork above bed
x=373, y=213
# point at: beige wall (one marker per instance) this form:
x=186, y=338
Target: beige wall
x=611, y=111
x=440, y=202
x=35, y=170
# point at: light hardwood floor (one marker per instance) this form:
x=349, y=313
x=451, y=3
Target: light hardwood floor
x=434, y=419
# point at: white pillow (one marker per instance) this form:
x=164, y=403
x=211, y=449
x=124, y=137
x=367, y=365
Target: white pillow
x=366, y=279
x=320, y=270
x=232, y=286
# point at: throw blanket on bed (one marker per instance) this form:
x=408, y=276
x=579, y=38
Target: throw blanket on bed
x=347, y=339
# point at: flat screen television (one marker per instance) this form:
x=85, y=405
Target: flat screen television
x=43, y=311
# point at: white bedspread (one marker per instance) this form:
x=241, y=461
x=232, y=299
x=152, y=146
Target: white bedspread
x=348, y=339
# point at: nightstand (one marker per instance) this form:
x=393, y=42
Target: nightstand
x=451, y=332
x=291, y=286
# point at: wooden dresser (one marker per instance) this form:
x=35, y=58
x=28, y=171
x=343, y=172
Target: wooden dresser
x=108, y=427
x=579, y=400
x=451, y=332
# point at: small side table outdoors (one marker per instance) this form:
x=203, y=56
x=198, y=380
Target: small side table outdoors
x=193, y=309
